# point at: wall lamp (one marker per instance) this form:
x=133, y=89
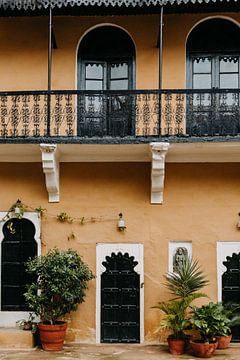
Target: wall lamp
x=121, y=223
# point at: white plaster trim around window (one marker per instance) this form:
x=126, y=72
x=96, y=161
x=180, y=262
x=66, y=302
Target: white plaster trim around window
x=224, y=249
x=159, y=151
x=104, y=250
x=9, y=318
x=172, y=247
x=50, y=164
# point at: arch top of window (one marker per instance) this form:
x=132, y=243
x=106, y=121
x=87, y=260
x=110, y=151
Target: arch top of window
x=106, y=42
x=214, y=36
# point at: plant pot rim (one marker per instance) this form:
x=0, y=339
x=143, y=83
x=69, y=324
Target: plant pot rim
x=200, y=341
x=58, y=322
x=61, y=325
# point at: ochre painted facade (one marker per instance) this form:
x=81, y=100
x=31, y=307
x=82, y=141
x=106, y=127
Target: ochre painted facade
x=201, y=200
x=201, y=203
x=23, y=49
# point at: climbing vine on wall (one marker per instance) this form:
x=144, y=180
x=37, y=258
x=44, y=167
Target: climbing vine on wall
x=19, y=208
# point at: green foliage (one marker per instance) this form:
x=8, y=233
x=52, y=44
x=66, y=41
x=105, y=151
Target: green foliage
x=210, y=320
x=184, y=284
x=231, y=310
x=61, y=279
x=175, y=316
x=186, y=280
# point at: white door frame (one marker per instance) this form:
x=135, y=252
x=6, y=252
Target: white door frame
x=9, y=318
x=224, y=249
x=103, y=250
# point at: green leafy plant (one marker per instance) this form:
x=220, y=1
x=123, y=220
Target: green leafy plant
x=60, y=281
x=231, y=310
x=175, y=317
x=210, y=320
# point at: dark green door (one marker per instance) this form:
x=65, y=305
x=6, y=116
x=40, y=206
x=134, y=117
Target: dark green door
x=231, y=287
x=120, y=300
x=17, y=247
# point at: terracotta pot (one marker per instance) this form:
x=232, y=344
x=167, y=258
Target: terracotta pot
x=223, y=341
x=176, y=346
x=203, y=350
x=52, y=336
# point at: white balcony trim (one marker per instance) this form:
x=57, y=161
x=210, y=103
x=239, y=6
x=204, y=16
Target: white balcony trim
x=50, y=164
x=159, y=151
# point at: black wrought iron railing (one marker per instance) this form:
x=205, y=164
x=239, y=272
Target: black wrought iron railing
x=136, y=113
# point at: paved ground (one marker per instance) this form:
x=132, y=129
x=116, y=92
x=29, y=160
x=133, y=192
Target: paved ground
x=112, y=352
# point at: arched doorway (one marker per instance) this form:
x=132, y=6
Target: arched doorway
x=213, y=62
x=120, y=300
x=17, y=246
x=231, y=286
x=106, y=63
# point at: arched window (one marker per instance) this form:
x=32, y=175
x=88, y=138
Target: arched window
x=213, y=55
x=106, y=61
x=213, y=62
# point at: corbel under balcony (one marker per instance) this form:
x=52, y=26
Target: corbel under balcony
x=159, y=151
x=50, y=164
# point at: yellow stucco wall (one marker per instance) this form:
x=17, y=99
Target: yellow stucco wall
x=201, y=203
x=23, y=49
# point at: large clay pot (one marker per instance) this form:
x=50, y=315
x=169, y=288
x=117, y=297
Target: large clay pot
x=223, y=341
x=52, y=336
x=203, y=350
x=176, y=346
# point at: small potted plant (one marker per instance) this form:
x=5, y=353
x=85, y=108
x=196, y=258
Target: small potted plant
x=175, y=320
x=232, y=318
x=207, y=319
x=59, y=282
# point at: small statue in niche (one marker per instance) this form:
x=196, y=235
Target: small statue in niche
x=179, y=258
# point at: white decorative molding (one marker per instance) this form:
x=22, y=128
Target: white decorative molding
x=50, y=166
x=159, y=151
x=224, y=249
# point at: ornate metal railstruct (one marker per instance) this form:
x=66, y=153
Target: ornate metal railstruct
x=135, y=113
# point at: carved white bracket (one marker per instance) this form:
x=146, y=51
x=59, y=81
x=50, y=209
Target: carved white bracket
x=159, y=151
x=50, y=166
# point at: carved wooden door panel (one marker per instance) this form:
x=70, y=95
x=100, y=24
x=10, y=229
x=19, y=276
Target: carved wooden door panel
x=17, y=247
x=120, y=300
x=231, y=287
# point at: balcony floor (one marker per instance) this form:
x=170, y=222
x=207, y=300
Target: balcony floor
x=204, y=151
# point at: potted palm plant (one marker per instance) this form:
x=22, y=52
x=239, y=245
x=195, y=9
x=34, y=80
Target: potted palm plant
x=60, y=279
x=184, y=283
x=176, y=321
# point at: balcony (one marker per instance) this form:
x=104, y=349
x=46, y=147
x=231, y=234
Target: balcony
x=136, y=116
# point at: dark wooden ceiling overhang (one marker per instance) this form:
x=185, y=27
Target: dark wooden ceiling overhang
x=105, y=7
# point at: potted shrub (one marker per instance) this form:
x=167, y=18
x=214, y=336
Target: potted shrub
x=60, y=281
x=207, y=319
x=224, y=334
x=184, y=283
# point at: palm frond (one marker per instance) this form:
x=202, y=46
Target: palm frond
x=186, y=280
